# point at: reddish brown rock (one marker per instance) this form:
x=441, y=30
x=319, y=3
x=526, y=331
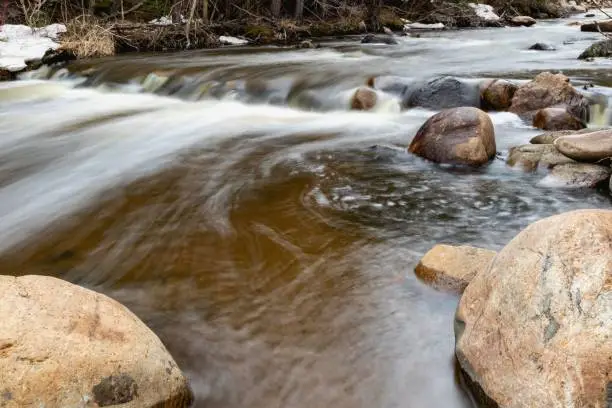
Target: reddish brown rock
x=533, y=330
x=557, y=119
x=497, y=94
x=364, y=99
x=548, y=90
x=525, y=21
x=456, y=136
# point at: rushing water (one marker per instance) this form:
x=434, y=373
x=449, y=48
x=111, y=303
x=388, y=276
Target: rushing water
x=267, y=234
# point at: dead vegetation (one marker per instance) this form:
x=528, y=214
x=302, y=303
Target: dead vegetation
x=87, y=38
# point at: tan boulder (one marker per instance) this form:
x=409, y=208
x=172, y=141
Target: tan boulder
x=551, y=136
x=532, y=156
x=497, y=94
x=548, y=90
x=577, y=175
x=64, y=346
x=590, y=147
x=456, y=136
x=451, y=268
x=605, y=26
x=525, y=21
x=364, y=99
x=557, y=119
x=533, y=330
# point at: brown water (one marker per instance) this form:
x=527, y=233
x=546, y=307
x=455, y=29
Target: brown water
x=272, y=248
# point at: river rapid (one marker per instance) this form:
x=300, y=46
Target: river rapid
x=267, y=234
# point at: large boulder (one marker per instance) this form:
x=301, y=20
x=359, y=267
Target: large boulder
x=530, y=157
x=497, y=94
x=451, y=268
x=548, y=90
x=590, y=147
x=576, y=175
x=443, y=93
x=524, y=21
x=533, y=330
x=557, y=119
x=65, y=346
x=456, y=136
x=594, y=27
x=599, y=49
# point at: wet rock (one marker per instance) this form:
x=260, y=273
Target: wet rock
x=605, y=26
x=524, y=21
x=542, y=47
x=306, y=44
x=533, y=330
x=531, y=156
x=62, y=345
x=364, y=99
x=548, y=90
x=378, y=39
x=590, y=147
x=59, y=56
x=577, y=175
x=497, y=94
x=451, y=268
x=456, y=136
x=599, y=49
x=442, y=93
x=550, y=137
x=557, y=119
x=588, y=15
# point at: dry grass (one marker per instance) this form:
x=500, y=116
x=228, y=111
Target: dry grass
x=86, y=38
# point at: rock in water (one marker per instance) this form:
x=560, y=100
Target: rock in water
x=532, y=156
x=534, y=329
x=547, y=90
x=525, y=21
x=451, y=268
x=557, y=119
x=62, y=345
x=378, y=39
x=576, y=175
x=443, y=93
x=456, y=136
x=590, y=147
x=550, y=137
x=599, y=49
x=364, y=99
x=497, y=94
x=542, y=47
x=604, y=26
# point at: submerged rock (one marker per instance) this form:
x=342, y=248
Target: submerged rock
x=533, y=330
x=542, y=47
x=599, y=49
x=548, y=90
x=605, y=26
x=449, y=267
x=443, y=93
x=525, y=21
x=591, y=147
x=532, y=156
x=557, y=119
x=577, y=175
x=456, y=136
x=64, y=346
x=497, y=94
x=378, y=39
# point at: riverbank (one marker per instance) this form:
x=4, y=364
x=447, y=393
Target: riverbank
x=89, y=38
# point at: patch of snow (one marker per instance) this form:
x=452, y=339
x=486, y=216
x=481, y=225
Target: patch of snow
x=232, y=40
x=162, y=21
x=421, y=26
x=484, y=11
x=20, y=43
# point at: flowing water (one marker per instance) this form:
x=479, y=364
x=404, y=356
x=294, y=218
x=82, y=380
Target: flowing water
x=265, y=232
